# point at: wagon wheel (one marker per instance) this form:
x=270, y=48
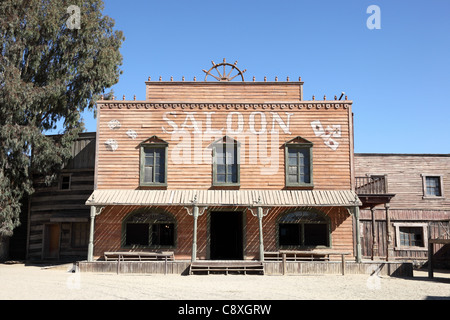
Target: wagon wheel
x=230, y=71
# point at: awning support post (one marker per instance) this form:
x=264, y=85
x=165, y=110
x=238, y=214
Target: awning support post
x=195, y=212
x=194, y=236
x=260, y=213
x=358, y=236
x=94, y=212
x=261, y=240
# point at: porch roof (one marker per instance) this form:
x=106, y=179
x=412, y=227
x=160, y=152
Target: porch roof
x=247, y=198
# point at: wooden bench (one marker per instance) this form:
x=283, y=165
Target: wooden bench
x=295, y=256
x=302, y=255
x=240, y=267
x=139, y=256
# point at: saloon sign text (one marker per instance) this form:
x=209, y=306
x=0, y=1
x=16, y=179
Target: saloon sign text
x=236, y=123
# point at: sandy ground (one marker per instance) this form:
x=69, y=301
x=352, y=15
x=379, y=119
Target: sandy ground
x=20, y=282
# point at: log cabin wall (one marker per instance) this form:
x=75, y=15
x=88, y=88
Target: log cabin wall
x=411, y=207
x=58, y=216
x=261, y=121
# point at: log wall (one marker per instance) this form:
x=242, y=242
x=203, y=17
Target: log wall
x=52, y=206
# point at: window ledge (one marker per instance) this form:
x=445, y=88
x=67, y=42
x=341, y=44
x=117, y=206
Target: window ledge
x=411, y=249
x=153, y=186
x=433, y=198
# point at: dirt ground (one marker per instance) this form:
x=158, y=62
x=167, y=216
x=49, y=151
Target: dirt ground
x=20, y=282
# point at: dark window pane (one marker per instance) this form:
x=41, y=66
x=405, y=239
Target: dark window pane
x=316, y=234
x=298, y=165
x=137, y=234
x=221, y=169
x=433, y=186
x=65, y=183
x=289, y=234
x=148, y=174
x=163, y=234
x=411, y=236
x=154, y=165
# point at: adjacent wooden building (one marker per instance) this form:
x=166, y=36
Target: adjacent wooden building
x=223, y=170
x=58, y=219
x=405, y=204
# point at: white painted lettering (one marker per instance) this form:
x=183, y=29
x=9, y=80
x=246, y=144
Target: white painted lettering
x=283, y=125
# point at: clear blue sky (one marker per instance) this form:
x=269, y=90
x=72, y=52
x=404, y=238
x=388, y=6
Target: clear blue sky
x=398, y=76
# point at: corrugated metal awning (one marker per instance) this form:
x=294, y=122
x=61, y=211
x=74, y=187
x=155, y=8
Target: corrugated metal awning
x=248, y=198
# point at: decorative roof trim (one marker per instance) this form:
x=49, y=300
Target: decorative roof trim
x=307, y=105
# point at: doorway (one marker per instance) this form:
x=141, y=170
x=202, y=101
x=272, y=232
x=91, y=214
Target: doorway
x=51, y=241
x=226, y=235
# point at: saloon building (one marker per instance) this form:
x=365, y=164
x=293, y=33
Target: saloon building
x=224, y=170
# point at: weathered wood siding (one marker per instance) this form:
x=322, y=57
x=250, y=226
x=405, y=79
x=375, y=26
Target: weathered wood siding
x=404, y=177
x=109, y=231
x=262, y=150
x=254, y=92
x=410, y=205
x=50, y=205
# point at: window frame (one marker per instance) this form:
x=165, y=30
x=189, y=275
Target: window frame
x=301, y=226
x=222, y=143
x=143, y=183
x=298, y=145
x=60, y=185
x=399, y=246
x=426, y=195
x=150, y=221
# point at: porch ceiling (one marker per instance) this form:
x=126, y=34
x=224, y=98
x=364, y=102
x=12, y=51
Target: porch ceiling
x=246, y=198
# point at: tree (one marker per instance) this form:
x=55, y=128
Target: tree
x=53, y=66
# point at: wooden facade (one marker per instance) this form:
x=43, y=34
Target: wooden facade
x=58, y=222
x=268, y=122
x=415, y=214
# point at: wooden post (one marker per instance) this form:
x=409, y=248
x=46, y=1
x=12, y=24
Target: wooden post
x=90, y=256
x=194, y=236
x=343, y=263
x=165, y=265
x=284, y=263
x=374, y=236
x=261, y=240
x=388, y=233
x=358, y=236
x=430, y=259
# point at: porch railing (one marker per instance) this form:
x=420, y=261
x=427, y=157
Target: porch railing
x=371, y=185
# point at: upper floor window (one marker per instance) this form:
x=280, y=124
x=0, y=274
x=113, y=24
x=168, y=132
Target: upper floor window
x=226, y=162
x=298, y=157
x=65, y=182
x=432, y=186
x=153, y=163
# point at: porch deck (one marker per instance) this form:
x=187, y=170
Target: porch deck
x=182, y=267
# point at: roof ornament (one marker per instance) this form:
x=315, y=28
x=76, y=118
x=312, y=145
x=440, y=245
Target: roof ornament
x=228, y=73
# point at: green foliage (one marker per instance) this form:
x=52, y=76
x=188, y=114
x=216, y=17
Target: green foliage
x=48, y=73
